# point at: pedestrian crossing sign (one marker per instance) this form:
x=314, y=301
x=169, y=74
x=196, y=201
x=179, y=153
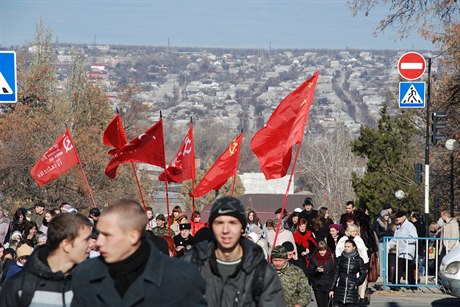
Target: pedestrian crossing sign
x=412, y=95
x=8, y=81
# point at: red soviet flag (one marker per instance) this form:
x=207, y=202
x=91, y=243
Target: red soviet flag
x=183, y=166
x=146, y=148
x=114, y=135
x=273, y=144
x=61, y=156
x=224, y=168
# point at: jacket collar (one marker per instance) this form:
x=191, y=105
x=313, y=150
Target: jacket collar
x=153, y=273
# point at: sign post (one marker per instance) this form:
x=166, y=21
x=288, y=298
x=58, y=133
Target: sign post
x=8, y=78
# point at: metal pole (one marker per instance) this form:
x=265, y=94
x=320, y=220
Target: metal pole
x=427, y=153
x=452, y=184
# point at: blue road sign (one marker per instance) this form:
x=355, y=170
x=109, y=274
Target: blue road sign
x=412, y=95
x=8, y=81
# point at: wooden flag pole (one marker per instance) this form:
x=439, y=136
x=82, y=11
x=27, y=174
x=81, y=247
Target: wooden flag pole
x=166, y=181
x=237, y=163
x=283, y=207
x=139, y=186
x=83, y=172
x=193, y=166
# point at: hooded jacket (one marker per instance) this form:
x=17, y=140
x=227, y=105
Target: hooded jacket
x=346, y=279
x=46, y=288
x=237, y=290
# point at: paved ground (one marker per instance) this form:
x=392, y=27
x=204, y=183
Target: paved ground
x=410, y=298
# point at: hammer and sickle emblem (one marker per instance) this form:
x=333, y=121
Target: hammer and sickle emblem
x=304, y=102
x=67, y=144
x=234, y=148
x=142, y=136
x=187, y=147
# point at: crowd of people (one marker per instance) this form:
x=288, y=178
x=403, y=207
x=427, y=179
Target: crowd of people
x=125, y=256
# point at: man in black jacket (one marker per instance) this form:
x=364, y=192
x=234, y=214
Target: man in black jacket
x=131, y=271
x=45, y=279
x=235, y=268
x=308, y=212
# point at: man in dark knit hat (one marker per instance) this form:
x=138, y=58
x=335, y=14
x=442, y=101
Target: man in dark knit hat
x=234, y=268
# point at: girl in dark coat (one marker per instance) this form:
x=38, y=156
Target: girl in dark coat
x=350, y=272
x=321, y=273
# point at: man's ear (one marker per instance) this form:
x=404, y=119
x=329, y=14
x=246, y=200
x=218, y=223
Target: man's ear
x=66, y=245
x=134, y=236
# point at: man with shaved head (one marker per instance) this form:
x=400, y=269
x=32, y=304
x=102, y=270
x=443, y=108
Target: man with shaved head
x=131, y=270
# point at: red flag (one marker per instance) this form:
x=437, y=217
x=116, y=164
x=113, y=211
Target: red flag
x=273, y=144
x=146, y=148
x=224, y=168
x=114, y=135
x=61, y=156
x=183, y=166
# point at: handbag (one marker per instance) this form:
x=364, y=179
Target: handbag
x=331, y=302
x=374, y=268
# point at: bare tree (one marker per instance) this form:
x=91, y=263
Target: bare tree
x=325, y=165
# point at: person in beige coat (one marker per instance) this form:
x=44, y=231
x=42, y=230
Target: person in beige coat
x=449, y=231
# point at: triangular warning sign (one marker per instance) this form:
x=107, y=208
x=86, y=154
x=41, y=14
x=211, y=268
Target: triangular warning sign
x=5, y=88
x=412, y=96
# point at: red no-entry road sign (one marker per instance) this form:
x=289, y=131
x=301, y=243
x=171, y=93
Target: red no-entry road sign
x=411, y=65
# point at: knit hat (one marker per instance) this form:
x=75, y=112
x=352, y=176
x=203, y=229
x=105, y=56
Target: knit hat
x=387, y=206
x=16, y=233
x=335, y=226
x=254, y=237
x=308, y=201
x=185, y=226
x=297, y=210
x=279, y=252
x=255, y=228
x=95, y=211
x=384, y=213
x=288, y=246
x=228, y=206
x=24, y=251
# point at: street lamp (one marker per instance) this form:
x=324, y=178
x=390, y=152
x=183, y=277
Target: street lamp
x=452, y=146
x=399, y=194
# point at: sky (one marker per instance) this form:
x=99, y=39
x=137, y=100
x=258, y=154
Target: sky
x=303, y=24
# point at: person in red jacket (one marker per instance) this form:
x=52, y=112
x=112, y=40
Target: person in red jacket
x=305, y=241
x=196, y=222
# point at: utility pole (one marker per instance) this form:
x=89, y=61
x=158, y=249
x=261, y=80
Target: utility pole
x=427, y=152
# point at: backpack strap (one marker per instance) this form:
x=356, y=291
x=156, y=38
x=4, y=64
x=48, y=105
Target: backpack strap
x=258, y=281
x=29, y=285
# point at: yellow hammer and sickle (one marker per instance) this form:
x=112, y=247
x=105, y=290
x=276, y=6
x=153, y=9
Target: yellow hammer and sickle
x=233, y=148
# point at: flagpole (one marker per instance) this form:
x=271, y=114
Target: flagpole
x=166, y=181
x=83, y=171
x=193, y=166
x=283, y=207
x=233, y=184
x=138, y=186
x=132, y=163
x=237, y=163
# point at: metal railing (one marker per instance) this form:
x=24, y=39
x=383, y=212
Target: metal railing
x=429, y=258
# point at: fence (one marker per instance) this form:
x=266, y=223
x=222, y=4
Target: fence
x=417, y=256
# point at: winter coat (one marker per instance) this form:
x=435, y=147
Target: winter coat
x=237, y=290
x=47, y=288
x=321, y=281
x=4, y=227
x=331, y=243
x=382, y=229
x=309, y=217
x=350, y=272
x=164, y=282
